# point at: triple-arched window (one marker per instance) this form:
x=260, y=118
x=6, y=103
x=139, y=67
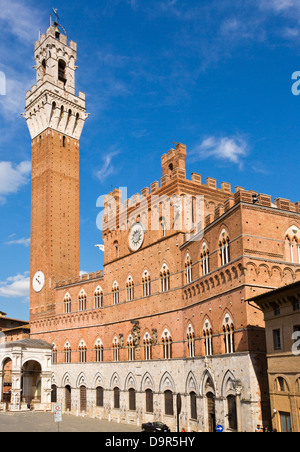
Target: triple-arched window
x=82, y=301
x=116, y=346
x=147, y=341
x=207, y=333
x=82, y=351
x=99, y=351
x=116, y=293
x=165, y=278
x=292, y=245
x=130, y=288
x=224, y=245
x=68, y=352
x=167, y=344
x=146, y=281
x=188, y=269
x=98, y=297
x=67, y=303
x=204, y=256
x=131, y=348
x=228, y=330
x=191, y=341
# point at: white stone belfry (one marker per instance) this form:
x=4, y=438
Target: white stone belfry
x=52, y=102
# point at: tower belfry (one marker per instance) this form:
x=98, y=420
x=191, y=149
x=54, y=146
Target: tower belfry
x=52, y=101
x=55, y=117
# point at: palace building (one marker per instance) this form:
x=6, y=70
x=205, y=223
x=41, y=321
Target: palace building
x=167, y=315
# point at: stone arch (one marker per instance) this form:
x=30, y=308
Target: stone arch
x=207, y=323
x=30, y=358
x=115, y=381
x=293, y=232
x=166, y=332
x=66, y=380
x=166, y=383
x=223, y=234
x=4, y=358
x=276, y=382
x=81, y=380
x=147, y=382
x=191, y=383
x=32, y=379
x=190, y=328
x=226, y=387
x=227, y=319
x=207, y=384
x=54, y=379
x=98, y=380
x=130, y=382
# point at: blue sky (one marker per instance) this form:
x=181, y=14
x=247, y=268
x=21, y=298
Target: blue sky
x=215, y=75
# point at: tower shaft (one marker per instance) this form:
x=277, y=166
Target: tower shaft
x=55, y=118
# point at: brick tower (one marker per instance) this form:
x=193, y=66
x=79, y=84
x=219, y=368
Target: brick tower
x=55, y=118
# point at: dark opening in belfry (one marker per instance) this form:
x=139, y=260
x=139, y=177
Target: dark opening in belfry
x=62, y=71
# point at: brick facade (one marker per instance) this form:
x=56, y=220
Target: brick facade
x=170, y=316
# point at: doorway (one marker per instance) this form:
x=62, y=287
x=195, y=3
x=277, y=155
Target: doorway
x=7, y=381
x=31, y=382
x=68, y=398
x=82, y=398
x=285, y=422
x=211, y=410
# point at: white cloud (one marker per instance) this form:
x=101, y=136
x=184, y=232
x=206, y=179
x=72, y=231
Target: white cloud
x=13, y=177
x=279, y=6
x=23, y=241
x=19, y=24
x=108, y=169
x=12, y=103
x=16, y=286
x=133, y=4
x=20, y=19
x=228, y=149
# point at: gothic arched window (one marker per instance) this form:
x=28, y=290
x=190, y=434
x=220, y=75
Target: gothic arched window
x=292, y=245
x=204, y=259
x=116, y=346
x=191, y=341
x=99, y=351
x=165, y=278
x=67, y=303
x=224, y=244
x=188, y=269
x=228, y=330
x=146, y=281
x=207, y=333
x=98, y=297
x=167, y=344
x=68, y=352
x=131, y=350
x=82, y=352
x=82, y=301
x=116, y=292
x=130, y=288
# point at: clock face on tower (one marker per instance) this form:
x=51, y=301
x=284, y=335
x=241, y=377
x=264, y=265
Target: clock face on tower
x=38, y=281
x=136, y=237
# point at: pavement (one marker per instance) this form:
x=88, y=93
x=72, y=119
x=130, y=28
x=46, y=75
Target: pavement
x=30, y=422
